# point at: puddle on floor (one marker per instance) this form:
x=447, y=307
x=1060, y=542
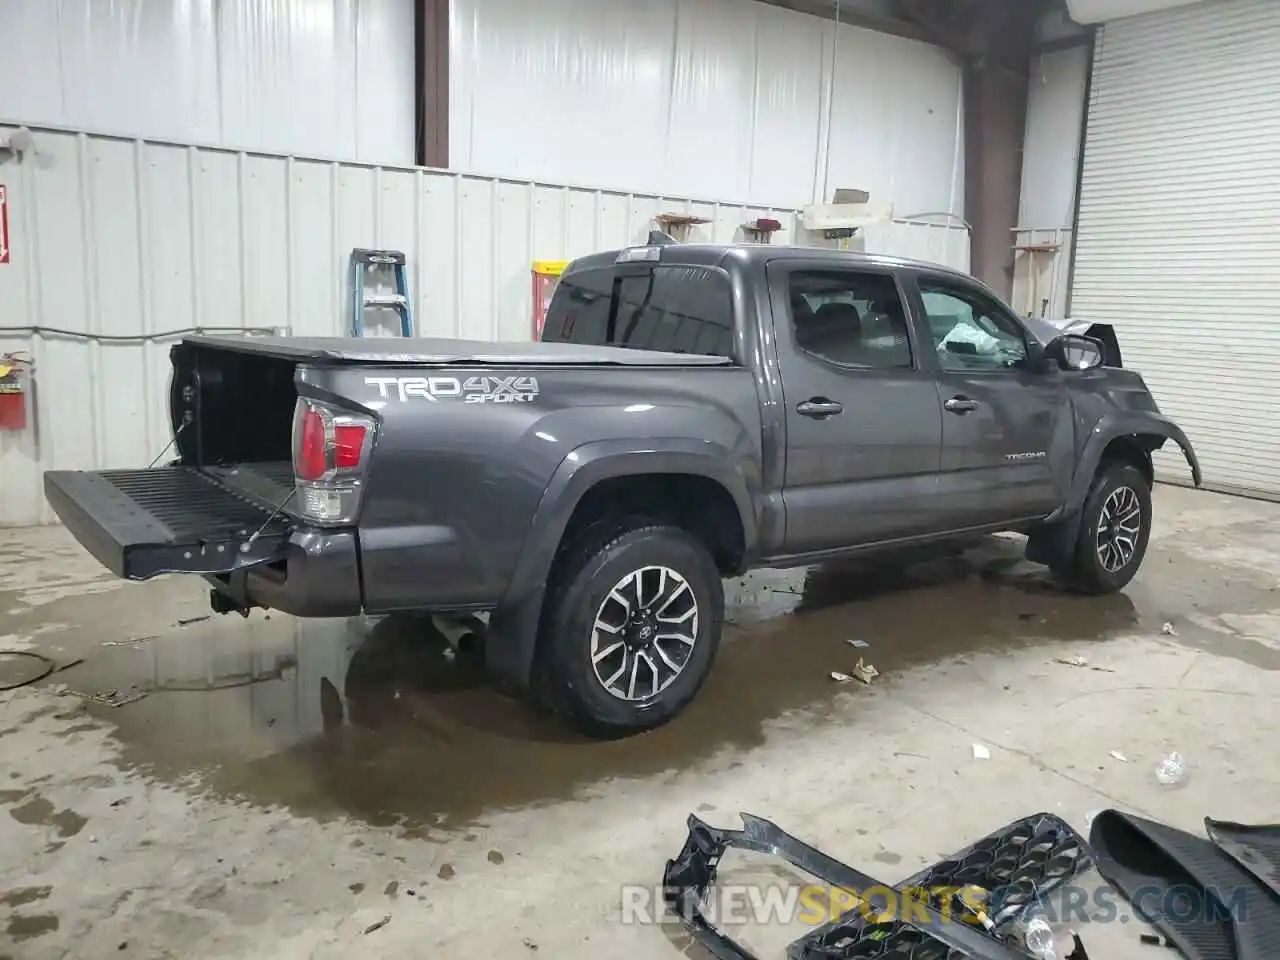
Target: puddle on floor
x=29, y=927
x=378, y=719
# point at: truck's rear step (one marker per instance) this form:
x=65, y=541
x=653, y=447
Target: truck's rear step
x=143, y=523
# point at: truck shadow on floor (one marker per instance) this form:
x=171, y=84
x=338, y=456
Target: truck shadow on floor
x=383, y=721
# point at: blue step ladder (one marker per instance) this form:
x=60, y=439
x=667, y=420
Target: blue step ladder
x=364, y=262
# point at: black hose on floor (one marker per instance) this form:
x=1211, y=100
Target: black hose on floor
x=49, y=667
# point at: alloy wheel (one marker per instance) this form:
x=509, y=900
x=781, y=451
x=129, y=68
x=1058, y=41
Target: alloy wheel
x=1119, y=527
x=644, y=633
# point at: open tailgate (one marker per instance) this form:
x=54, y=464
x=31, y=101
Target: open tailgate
x=143, y=523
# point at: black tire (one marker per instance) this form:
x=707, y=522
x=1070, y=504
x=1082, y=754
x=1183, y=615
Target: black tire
x=1087, y=571
x=565, y=679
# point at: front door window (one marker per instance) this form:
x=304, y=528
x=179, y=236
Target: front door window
x=970, y=331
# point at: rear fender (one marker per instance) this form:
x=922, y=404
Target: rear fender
x=513, y=627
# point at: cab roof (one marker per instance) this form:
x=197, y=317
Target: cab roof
x=720, y=254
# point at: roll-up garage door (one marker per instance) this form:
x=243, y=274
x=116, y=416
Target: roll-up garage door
x=1179, y=226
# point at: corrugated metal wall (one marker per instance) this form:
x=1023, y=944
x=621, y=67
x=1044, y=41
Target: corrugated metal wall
x=704, y=97
x=1178, y=233
x=329, y=78
x=684, y=97
x=113, y=238
x=946, y=243
x=120, y=243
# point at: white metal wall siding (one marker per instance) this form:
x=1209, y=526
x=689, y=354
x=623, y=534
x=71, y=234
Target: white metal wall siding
x=331, y=78
x=1178, y=238
x=1055, y=107
x=704, y=97
x=945, y=243
x=126, y=238
x=1050, y=161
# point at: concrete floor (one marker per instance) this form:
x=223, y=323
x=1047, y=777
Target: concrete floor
x=279, y=787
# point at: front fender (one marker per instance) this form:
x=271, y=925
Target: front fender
x=513, y=626
x=1127, y=424
x=1054, y=543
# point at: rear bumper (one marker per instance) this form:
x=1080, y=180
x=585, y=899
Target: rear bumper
x=316, y=574
x=147, y=523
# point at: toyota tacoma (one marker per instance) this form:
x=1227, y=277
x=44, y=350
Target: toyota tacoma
x=691, y=412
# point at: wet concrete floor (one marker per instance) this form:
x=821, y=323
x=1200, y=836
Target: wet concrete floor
x=215, y=786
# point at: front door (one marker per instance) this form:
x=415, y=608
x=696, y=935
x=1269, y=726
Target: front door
x=863, y=425
x=1000, y=415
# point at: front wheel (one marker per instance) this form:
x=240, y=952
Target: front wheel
x=630, y=631
x=1114, y=529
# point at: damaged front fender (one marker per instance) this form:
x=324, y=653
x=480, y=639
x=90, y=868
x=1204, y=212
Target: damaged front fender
x=1193, y=462
x=1150, y=430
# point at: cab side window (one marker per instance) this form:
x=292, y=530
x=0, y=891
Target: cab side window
x=678, y=309
x=971, y=332
x=850, y=318
x=579, y=310
x=673, y=308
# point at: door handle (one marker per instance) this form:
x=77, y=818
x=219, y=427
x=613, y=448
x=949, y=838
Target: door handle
x=819, y=408
x=960, y=405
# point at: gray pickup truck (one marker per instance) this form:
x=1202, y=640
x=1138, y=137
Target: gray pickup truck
x=693, y=411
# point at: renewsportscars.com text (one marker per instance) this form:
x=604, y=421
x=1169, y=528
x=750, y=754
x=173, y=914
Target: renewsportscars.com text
x=816, y=904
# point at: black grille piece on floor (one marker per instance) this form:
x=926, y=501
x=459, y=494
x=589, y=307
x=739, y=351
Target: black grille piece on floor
x=1017, y=865
x=173, y=519
x=1040, y=849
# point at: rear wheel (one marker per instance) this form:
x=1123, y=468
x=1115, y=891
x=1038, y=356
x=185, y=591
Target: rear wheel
x=1114, y=529
x=630, y=630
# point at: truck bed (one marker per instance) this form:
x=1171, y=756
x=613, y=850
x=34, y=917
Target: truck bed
x=431, y=351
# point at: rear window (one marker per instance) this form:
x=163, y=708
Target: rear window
x=679, y=309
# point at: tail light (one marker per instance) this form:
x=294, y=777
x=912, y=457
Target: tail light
x=330, y=452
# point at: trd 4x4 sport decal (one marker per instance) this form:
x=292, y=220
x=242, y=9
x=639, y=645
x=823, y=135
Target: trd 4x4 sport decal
x=516, y=389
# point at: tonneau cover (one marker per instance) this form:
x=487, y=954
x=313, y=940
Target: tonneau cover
x=435, y=350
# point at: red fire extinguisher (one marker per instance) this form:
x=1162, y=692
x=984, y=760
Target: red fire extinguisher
x=15, y=385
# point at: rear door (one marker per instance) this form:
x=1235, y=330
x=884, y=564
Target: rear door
x=864, y=431
x=1000, y=416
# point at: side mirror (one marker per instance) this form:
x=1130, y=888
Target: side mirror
x=1072, y=352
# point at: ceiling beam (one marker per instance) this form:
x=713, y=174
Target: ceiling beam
x=826, y=10
x=999, y=29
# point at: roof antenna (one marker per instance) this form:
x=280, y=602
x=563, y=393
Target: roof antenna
x=658, y=238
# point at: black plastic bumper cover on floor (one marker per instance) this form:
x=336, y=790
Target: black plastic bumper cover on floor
x=1255, y=848
x=1016, y=865
x=143, y=523
x=1202, y=898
